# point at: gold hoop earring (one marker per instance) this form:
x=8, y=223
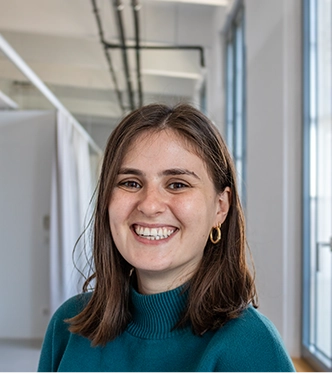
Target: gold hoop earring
x=217, y=240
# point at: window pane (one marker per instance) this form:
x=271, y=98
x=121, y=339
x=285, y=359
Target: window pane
x=318, y=232
x=324, y=171
x=235, y=92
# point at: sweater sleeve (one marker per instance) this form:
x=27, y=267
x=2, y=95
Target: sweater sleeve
x=57, y=334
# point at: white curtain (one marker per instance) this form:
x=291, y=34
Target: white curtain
x=73, y=182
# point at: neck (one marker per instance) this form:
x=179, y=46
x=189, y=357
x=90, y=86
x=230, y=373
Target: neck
x=149, y=283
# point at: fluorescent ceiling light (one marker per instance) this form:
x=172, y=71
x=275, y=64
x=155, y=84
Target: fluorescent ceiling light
x=6, y=102
x=17, y=60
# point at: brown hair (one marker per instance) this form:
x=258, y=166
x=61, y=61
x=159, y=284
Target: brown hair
x=222, y=287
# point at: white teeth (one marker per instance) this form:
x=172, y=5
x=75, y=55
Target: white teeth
x=153, y=233
x=140, y=231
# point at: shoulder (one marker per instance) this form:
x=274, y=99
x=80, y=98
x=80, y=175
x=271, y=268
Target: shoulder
x=253, y=332
x=72, y=306
x=69, y=309
x=250, y=322
x=252, y=343
x=57, y=334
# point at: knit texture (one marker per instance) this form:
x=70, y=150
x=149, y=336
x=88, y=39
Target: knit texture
x=249, y=343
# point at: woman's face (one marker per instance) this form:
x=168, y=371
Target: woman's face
x=162, y=209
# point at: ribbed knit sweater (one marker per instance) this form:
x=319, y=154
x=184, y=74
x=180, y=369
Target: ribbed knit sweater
x=149, y=343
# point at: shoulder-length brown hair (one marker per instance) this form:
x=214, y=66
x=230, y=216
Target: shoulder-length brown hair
x=222, y=285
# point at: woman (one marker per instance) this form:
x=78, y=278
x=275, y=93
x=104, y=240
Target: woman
x=172, y=290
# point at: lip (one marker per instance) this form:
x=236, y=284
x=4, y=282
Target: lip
x=154, y=225
x=143, y=240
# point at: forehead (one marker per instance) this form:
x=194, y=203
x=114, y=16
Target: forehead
x=165, y=137
x=154, y=143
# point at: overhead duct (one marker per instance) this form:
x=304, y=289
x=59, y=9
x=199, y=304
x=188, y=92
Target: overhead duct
x=136, y=7
x=107, y=55
x=174, y=47
x=118, y=7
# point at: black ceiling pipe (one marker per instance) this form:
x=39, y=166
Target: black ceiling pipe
x=107, y=55
x=136, y=7
x=118, y=7
x=188, y=47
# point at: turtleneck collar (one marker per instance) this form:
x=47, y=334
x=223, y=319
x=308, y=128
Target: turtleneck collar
x=154, y=316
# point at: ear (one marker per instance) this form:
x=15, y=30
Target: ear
x=224, y=201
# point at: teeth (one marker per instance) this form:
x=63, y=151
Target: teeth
x=154, y=233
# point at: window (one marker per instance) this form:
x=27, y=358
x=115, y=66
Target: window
x=317, y=222
x=235, y=94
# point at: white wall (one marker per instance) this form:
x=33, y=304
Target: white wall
x=273, y=48
x=273, y=41
x=26, y=150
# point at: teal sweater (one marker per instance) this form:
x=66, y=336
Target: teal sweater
x=149, y=343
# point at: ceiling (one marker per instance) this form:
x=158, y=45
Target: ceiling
x=62, y=43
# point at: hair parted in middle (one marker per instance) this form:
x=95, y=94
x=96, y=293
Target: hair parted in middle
x=222, y=286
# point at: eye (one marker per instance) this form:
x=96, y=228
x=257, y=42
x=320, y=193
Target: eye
x=130, y=185
x=177, y=186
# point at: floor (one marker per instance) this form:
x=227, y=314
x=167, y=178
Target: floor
x=19, y=355
x=23, y=356
x=302, y=366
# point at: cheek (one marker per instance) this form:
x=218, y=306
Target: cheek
x=117, y=207
x=194, y=211
x=115, y=216
x=111, y=221
x=184, y=206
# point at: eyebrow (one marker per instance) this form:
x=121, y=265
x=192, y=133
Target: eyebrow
x=131, y=171
x=178, y=171
x=167, y=172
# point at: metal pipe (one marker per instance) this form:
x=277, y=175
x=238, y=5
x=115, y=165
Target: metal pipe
x=187, y=47
x=136, y=7
x=107, y=55
x=118, y=7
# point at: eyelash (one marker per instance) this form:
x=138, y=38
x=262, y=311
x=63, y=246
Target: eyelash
x=180, y=186
x=130, y=184
x=134, y=185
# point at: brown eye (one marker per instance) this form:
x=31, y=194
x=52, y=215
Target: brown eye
x=133, y=185
x=177, y=186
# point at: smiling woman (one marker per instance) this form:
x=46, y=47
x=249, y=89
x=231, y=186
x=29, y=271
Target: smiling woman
x=154, y=195
x=173, y=291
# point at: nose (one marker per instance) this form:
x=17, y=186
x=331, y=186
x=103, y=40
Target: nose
x=152, y=202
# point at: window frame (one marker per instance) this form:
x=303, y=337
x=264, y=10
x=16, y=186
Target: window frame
x=235, y=89
x=310, y=98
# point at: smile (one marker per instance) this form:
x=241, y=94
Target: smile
x=155, y=233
